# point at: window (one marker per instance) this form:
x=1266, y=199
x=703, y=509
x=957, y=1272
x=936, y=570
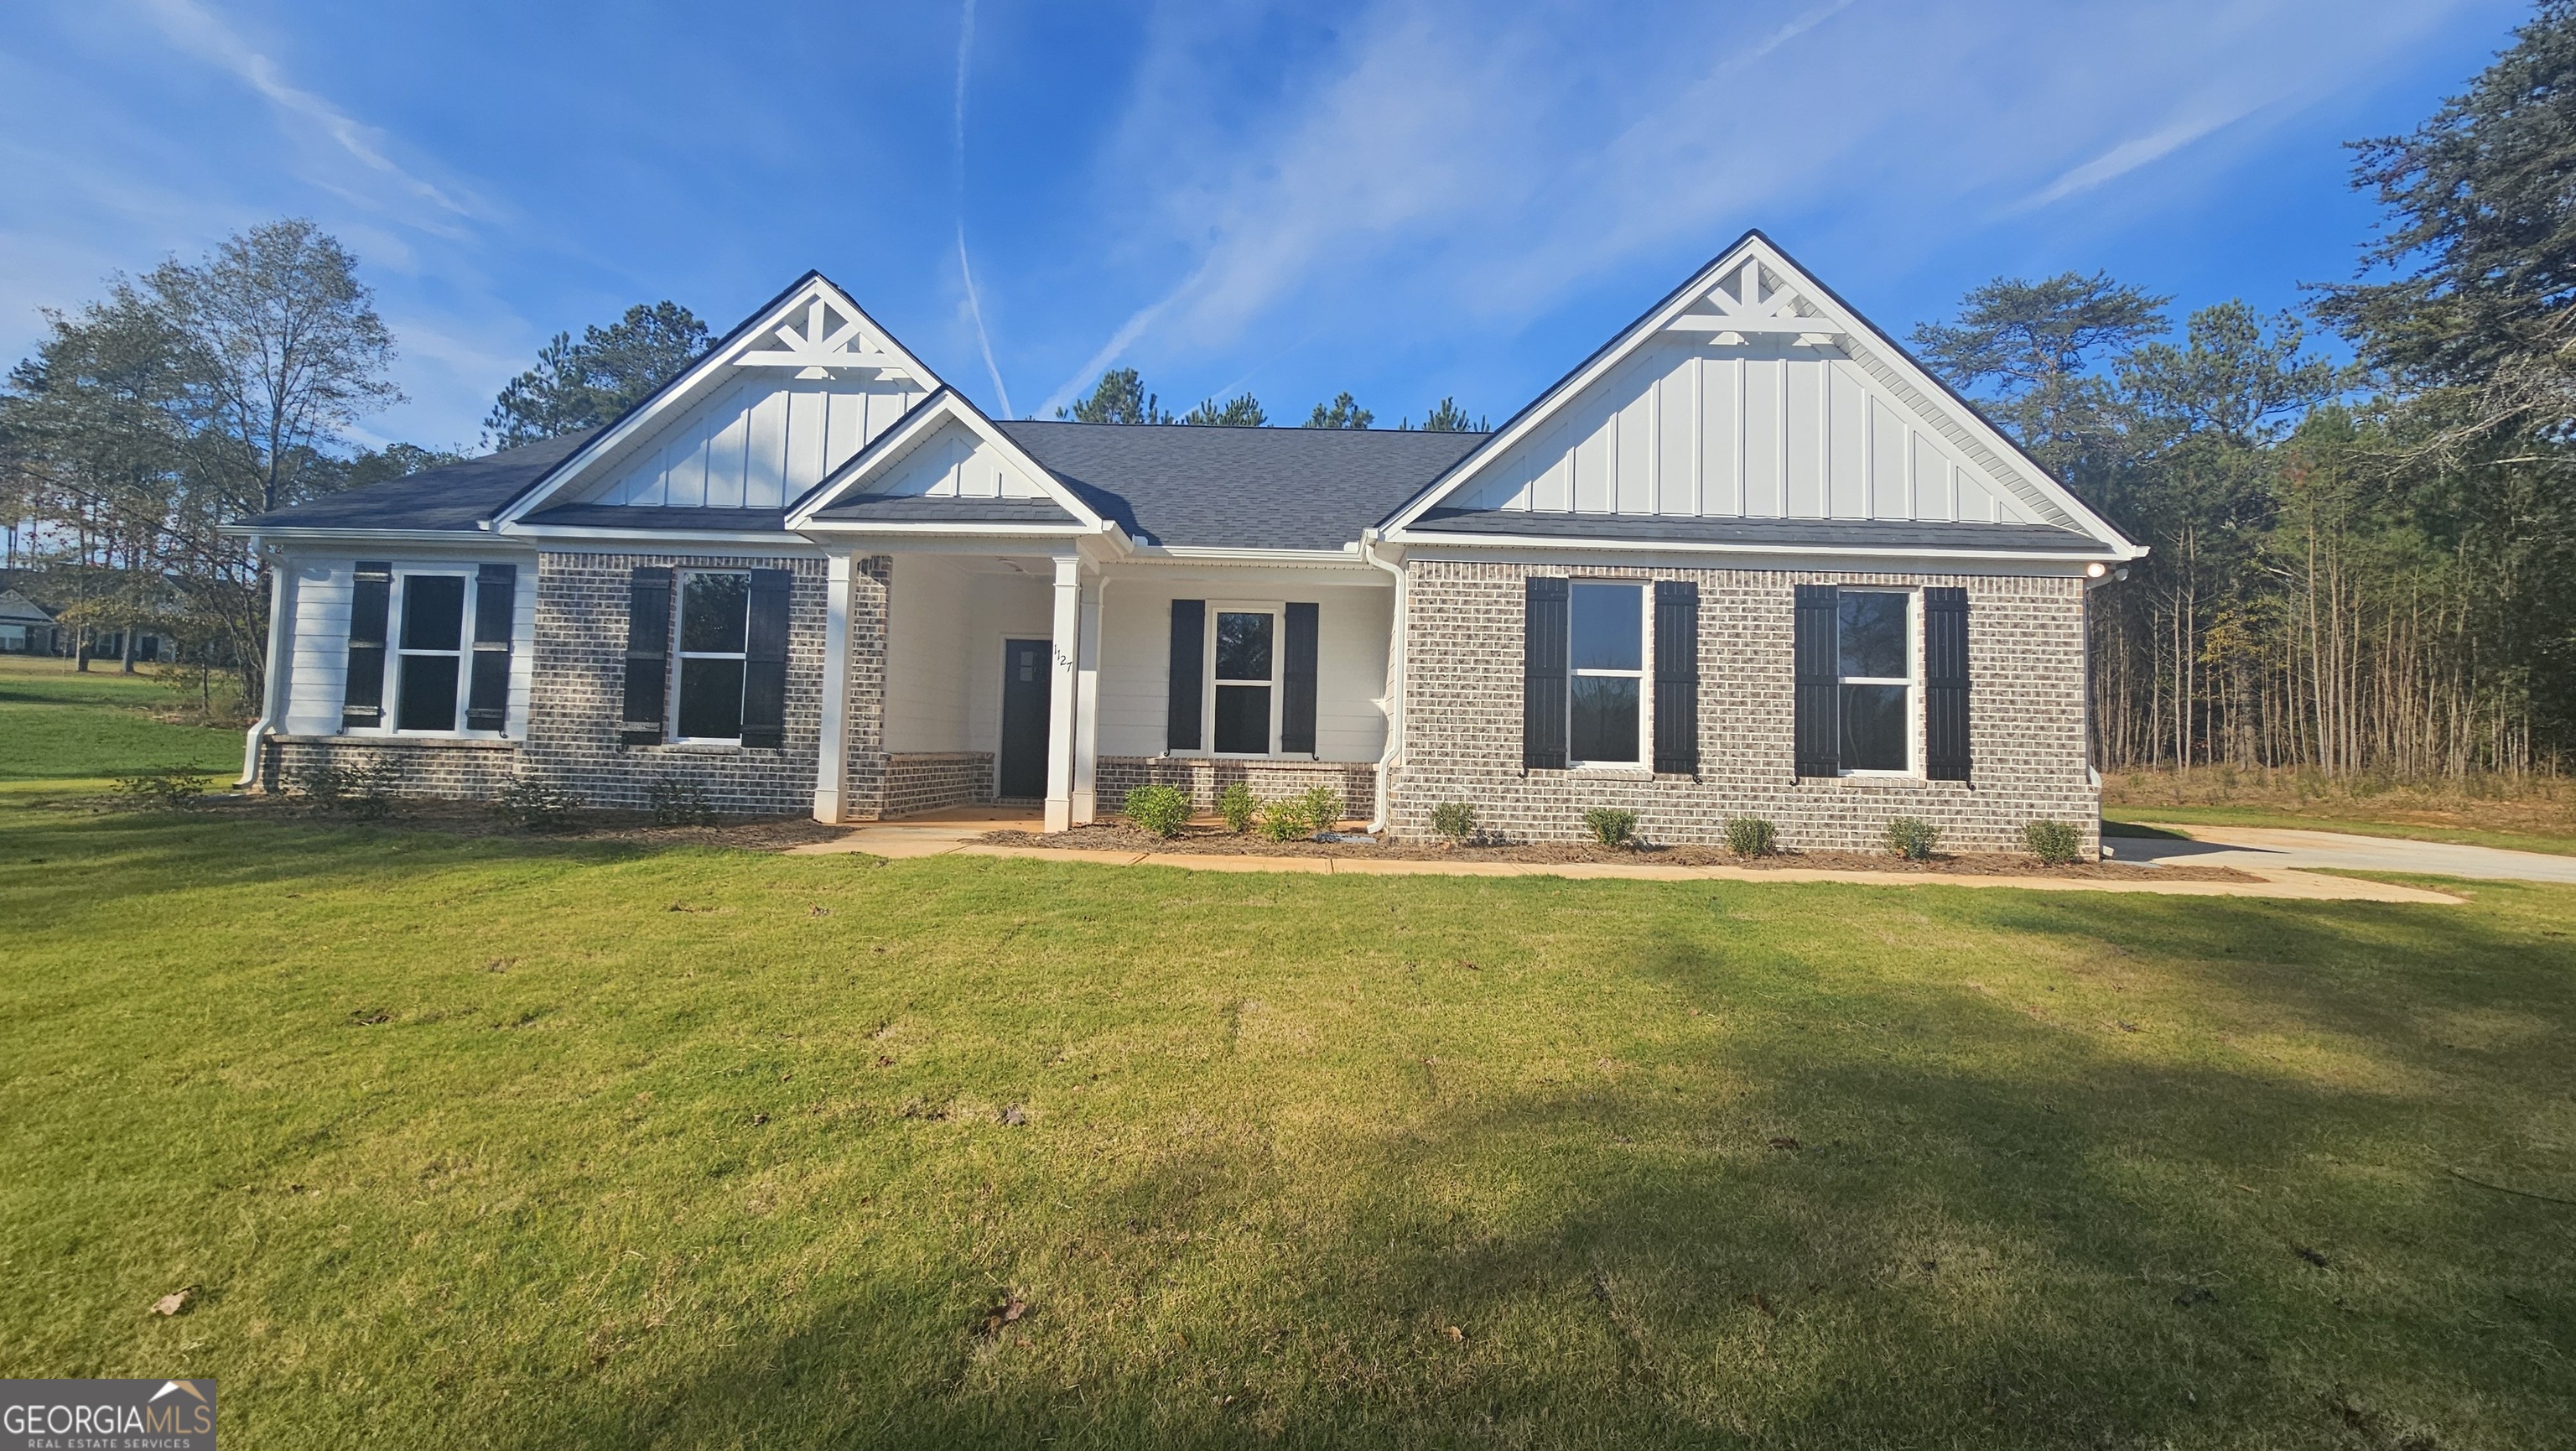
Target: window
x=715, y=622
x=1606, y=655
x=1877, y=679
x=431, y=648
x=1245, y=678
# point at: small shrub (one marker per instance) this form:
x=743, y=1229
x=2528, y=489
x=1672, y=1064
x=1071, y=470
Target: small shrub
x=361, y=793
x=1286, y=820
x=1912, y=838
x=1751, y=836
x=166, y=788
x=1323, y=807
x=1238, y=806
x=1158, y=809
x=1455, y=820
x=2054, y=842
x=679, y=803
x=1610, y=825
x=534, y=804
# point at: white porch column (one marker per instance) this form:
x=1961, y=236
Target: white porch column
x=281, y=635
x=1062, y=691
x=1086, y=719
x=830, y=768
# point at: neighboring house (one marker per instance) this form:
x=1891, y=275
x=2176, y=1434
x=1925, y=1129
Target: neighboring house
x=26, y=627
x=1747, y=559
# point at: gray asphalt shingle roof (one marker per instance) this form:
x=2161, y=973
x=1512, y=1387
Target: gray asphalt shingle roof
x=1241, y=488
x=1244, y=488
x=456, y=496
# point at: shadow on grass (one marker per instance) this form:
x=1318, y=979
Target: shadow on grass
x=1924, y=1219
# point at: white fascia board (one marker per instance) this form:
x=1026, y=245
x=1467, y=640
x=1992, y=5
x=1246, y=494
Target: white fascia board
x=1196, y=554
x=944, y=405
x=849, y=528
x=660, y=541
x=1838, y=318
x=1483, y=544
x=475, y=541
x=697, y=381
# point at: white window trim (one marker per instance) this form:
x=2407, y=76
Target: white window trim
x=1277, y=610
x=1642, y=763
x=397, y=603
x=679, y=626
x=1912, y=680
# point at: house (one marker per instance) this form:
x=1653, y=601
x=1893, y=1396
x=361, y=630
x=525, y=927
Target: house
x=26, y=627
x=1748, y=559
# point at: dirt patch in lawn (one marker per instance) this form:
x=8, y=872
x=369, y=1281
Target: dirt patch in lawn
x=1210, y=842
x=474, y=818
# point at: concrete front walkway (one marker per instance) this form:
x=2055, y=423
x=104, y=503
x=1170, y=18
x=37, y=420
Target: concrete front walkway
x=2265, y=848
x=955, y=833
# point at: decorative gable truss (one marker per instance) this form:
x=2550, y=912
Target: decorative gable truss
x=795, y=392
x=946, y=467
x=1752, y=393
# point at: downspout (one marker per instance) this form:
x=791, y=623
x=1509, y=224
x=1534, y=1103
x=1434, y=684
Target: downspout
x=273, y=682
x=1393, y=703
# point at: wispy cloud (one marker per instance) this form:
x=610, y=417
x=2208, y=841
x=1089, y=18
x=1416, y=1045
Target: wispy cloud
x=1476, y=166
x=199, y=32
x=2133, y=153
x=965, y=266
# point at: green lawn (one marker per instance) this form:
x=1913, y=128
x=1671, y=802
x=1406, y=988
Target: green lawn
x=56, y=723
x=529, y=1144
x=2358, y=826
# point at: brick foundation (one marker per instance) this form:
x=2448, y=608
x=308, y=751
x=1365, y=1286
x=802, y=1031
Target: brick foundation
x=1204, y=778
x=447, y=770
x=927, y=781
x=1462, y=717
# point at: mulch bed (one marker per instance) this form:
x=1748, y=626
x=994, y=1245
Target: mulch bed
x=1206, y=841
x=473, y=818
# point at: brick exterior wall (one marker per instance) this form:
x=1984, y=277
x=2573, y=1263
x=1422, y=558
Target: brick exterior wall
x=927, y=780
x=441, y=769
x=577, y=696
x=1462, y=717
x=1115, y=776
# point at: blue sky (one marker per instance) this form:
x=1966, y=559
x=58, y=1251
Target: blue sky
x=1407, y=199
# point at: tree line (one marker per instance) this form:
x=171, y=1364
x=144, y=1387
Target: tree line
x=2357, y=569
x=1120, y=397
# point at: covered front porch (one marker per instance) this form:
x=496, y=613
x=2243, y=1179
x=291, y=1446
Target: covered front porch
x=1041, y=675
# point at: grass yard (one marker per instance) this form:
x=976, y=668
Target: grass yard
x=2535, y=813
x=512, y=1143
x=56, y=722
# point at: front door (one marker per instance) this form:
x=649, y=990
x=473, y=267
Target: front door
x=1025, y=683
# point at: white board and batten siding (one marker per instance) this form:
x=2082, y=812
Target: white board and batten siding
x=760, y=443
x=1759, y=429
x=317, y=671
x=951, y=462
x=1351, y=627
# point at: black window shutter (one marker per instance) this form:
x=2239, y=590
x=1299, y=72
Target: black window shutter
x=1189, y=644
x=1945, y=684
x=764, y=665
x=487, y=702
x=1818, y=650
x=648, y=655
x=1676, y=677
x=362, y=707
x=1543, y=658
x=1297, y=684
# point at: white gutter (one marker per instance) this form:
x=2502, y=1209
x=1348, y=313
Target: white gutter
x=1393, y=703
x=273, y=682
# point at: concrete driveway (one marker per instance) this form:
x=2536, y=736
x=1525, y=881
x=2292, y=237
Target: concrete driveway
x=2257, y=847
